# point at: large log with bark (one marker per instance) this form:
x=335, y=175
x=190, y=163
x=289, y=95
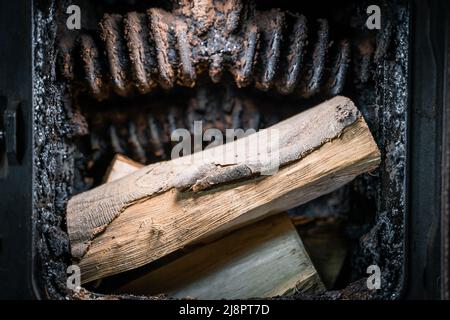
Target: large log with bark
x=233, y=267
x=166, y=206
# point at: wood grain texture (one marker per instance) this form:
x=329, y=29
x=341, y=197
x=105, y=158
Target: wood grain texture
x=264, y=259
x=137, y=219
x=89, y=213
x=120, y=167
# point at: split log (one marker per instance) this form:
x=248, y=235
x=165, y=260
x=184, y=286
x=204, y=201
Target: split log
x=166, y=206
x=233, y=267
x=326, y=246
x=120, y=167
x=262, y=260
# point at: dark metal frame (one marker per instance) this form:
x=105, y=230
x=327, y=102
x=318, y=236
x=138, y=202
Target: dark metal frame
x=16, y=193
x=429, y=158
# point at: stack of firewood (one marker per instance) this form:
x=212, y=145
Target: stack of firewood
x=218, y=217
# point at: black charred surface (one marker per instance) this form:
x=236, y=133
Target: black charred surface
x=53, y=158
x=76, y=135
x=390, y=227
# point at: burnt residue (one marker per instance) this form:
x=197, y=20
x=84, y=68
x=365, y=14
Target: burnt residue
x=392, y=98
x=53, y=159
x=66, y=125
x=375, y=204
x=134, y=53
x=143, y=131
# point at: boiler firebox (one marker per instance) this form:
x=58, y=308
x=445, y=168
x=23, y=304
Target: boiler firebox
x=94, y=91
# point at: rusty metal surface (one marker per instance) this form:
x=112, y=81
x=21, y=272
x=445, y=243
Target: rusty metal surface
x=134, y=53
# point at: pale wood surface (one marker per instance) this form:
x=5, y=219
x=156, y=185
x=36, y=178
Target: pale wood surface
x=90, y=213
x=264, y=259
x=137, y=219
x=120, y=167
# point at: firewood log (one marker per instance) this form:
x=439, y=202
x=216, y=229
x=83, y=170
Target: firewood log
x=166, y=206
x=233, y=267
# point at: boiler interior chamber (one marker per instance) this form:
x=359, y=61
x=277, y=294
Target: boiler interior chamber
x=92, y=116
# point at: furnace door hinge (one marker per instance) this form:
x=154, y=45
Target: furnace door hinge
x=8, y=131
